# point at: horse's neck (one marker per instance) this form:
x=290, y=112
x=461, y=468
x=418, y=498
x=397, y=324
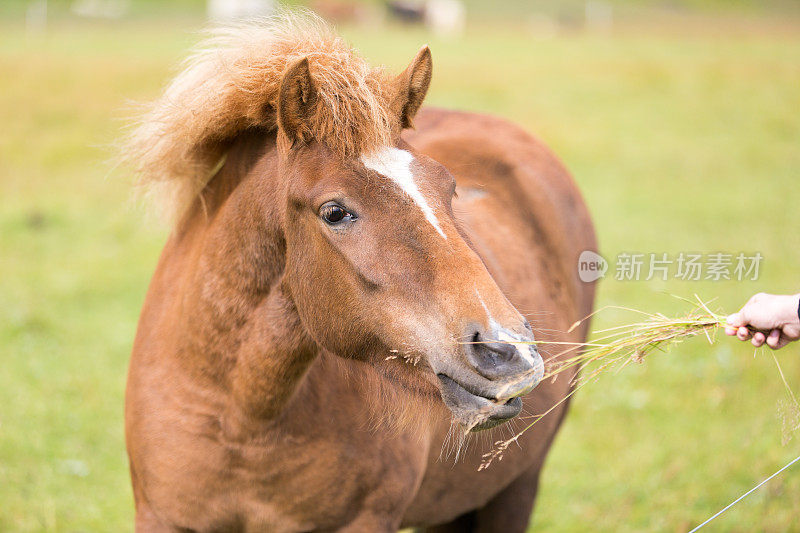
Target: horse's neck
x=238, y=330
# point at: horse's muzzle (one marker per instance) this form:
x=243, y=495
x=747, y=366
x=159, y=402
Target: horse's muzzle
x=502, y=366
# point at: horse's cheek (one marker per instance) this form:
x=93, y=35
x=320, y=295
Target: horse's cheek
x=326, y=303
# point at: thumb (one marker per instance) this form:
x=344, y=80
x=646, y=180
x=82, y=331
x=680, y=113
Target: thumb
x=736, y=319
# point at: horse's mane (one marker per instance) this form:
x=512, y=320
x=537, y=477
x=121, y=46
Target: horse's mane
x=231, y=83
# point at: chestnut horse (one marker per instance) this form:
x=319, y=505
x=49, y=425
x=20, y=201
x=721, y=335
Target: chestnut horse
x=337, y=300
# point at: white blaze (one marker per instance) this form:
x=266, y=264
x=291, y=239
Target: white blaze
x=395, y=164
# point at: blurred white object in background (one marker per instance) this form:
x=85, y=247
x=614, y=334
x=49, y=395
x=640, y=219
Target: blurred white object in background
x=599, y=16
x=445, y=17
x=229, y=10
x=36, y=15
x=104, y=9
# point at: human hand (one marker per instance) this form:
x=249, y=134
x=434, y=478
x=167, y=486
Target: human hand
x=772, y=319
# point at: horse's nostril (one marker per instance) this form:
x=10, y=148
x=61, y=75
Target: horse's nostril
x=494, y=349
x=497, y=356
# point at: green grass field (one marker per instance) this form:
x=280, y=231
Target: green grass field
x=680, y=141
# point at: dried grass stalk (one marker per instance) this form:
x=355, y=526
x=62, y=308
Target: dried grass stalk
x=619, y=346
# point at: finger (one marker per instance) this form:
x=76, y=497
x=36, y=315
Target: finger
x=743, y=334
x=774, y=339
x=730, y=330
x=758, y=339
x=782, y=342
x=735, y=319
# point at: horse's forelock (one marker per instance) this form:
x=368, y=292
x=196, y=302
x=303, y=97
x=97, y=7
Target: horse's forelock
x=231, y=83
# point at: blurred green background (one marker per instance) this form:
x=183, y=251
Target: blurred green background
x=680, y=122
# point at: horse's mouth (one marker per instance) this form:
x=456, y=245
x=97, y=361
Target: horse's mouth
x=473, y=410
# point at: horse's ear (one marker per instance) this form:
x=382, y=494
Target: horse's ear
x=296, y=100
x=412, y=86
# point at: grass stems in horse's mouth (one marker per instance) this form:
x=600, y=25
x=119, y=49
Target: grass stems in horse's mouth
x=616, y=347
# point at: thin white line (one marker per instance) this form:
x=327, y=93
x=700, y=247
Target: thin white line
x=743, y=496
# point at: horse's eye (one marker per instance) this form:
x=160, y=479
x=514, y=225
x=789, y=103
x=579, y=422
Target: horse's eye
x=334, y=214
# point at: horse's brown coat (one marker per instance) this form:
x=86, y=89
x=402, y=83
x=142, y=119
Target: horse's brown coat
x=281, y=377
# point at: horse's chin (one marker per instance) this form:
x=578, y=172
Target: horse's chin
x=494, y=421
x=474, y=412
